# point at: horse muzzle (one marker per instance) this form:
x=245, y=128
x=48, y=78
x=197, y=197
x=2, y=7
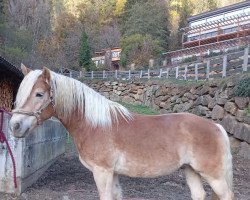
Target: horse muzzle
x=20, y=126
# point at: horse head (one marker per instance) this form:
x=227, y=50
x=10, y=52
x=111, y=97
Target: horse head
x=34, y=102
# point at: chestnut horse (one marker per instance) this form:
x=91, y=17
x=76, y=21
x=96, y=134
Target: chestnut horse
x=112, y=141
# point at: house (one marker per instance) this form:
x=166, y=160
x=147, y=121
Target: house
x=214, y=31
x=108, y=57
x=10, y=79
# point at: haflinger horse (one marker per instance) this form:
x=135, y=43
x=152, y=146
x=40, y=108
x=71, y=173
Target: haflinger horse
x=111, y=140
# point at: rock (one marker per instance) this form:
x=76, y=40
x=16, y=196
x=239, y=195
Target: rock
x=188, y=105
x=241, y=102
x=178, y=100
x=114, y=83
x=184, y=99
x=212, y=84
x=138, y=97
x=208, y=114
x=204, y=90
x=104, y=89
x=193, y=91
x=230, y=124
x=161, y=91
x=243, y=133
x=221, y=101
x=231, y=107
x=114, y=97
x=140, y=91
x=173, y=98
x=246, y=119
x=181, y=107
x=240, y=114
x=230, y=84
x=234, y=144
x=166, y=106
x=206, y=100
x=198, y=101
x=244, y=150
x=211, y=104
x=217, y=112
x=200, y=110
x=127, y=99
x=189, y=96
x=107, y=83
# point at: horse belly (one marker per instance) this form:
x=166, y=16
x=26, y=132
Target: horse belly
x=142, y=166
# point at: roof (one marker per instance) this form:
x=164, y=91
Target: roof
x=9, y=68
x=219, y=11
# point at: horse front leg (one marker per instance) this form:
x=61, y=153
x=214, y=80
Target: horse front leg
x=104, y=182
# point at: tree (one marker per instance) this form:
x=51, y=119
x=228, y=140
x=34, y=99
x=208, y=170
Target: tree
x=84, y=53
x=149, y=18
x=138, y=49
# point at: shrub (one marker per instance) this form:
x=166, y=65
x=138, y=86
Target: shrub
x=243, y=88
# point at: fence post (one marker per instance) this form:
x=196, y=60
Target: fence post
x=141, y=74
x=92, y=75
x=129, y=74
x=245, y=59
x=148, y=73
x=224, y=66
x=160, y=73
x=185, y=73
x=103, y=74
x=115, y=74
x=176, y=72
x=196, y=71
x=167, y=72
x=208, y=69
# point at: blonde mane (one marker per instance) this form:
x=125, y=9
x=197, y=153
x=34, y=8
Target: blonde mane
x=71, y=95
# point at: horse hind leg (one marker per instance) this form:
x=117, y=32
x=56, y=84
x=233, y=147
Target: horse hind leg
x=221, y=189
x=117, y=190
x=195, y=184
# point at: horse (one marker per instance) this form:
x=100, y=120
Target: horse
x=113, y=141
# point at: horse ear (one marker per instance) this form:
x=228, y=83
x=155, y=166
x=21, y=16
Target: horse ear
x=46, y=74
x=25, y=70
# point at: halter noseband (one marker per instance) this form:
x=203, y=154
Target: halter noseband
x=38, y=113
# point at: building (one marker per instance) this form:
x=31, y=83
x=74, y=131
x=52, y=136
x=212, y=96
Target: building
x=10, y=79
x=214, y=31
x=108, y=57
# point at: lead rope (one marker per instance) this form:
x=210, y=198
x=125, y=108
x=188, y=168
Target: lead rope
x=4, y=139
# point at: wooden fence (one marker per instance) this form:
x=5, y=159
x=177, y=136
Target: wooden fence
x=220, y=66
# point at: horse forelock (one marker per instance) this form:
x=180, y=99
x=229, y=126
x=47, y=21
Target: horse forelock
x=71, y=95
x=26, y=87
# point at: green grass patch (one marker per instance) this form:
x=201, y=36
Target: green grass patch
x=140, y=109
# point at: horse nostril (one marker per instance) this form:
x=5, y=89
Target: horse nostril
x=16, y=126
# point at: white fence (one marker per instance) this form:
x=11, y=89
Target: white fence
x=214, y=67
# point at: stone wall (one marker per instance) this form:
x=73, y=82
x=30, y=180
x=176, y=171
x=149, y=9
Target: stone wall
x=213, y=100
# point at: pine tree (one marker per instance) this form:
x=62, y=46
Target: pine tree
x=84, y=53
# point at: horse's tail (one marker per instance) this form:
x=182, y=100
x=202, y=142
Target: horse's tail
x=227, y=162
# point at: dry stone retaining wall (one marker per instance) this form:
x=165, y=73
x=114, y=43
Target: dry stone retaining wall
x=213, y=100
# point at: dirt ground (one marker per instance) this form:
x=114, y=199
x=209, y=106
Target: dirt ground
x=67, y=179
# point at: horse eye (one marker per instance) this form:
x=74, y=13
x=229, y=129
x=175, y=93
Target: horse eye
x=39, y=94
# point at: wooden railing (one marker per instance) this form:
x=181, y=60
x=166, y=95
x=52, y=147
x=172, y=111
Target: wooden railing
x=214, y=67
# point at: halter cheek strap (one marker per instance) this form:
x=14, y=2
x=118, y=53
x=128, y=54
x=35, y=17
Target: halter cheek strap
x=38, y=113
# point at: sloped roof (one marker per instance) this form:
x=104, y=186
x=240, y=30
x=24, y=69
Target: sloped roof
x=219, y=10
x=7, y=67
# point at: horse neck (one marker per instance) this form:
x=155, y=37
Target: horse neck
x=74, y=123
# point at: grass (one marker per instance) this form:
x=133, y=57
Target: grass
x=140, y=109
x=247, y=110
